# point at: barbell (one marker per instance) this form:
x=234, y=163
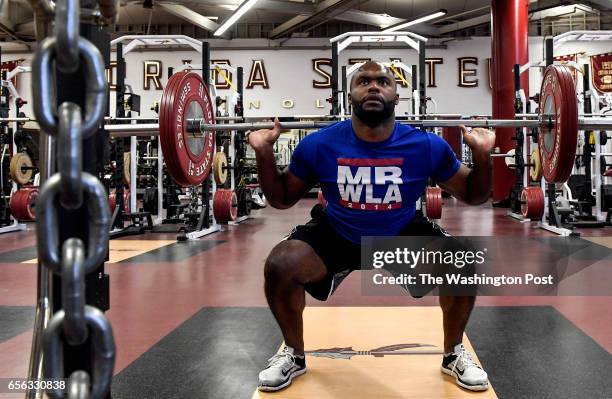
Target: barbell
x=187, y=126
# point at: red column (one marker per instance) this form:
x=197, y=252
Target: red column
x=452, y=135
x=509, y=34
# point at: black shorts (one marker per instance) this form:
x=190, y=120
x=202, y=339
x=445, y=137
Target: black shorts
x=341, y=256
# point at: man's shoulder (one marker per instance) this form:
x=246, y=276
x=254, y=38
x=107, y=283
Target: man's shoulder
x=406, y=131
x=324, y=133
x=335, y=127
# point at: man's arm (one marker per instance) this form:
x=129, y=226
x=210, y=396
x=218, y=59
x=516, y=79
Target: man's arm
x=281, y=188
x=473, y=186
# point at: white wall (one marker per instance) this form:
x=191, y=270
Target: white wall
x=290, y=74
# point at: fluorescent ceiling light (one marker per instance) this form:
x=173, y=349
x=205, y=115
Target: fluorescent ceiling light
x=428, y=17
x=242, y=9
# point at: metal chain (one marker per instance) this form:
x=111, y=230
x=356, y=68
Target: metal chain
x=70, y=189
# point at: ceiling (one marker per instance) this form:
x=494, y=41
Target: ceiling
x=286, y=18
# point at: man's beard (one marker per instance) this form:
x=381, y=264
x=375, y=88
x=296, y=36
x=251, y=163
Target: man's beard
x=374, y=118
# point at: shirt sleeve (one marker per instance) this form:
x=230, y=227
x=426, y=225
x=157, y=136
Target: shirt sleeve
x=444, y=162
x=303, y=158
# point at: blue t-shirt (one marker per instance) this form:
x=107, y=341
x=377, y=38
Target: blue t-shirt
x=372, y=188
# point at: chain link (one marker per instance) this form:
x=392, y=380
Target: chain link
x=70, y=159
x=73, y=291
x=78, y=386
x=67, y=32
x=70, y=189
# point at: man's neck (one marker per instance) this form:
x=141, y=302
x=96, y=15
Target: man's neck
x=373, y=134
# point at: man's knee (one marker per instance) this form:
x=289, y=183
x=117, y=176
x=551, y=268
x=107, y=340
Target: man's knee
x=450, y=303
x=288, y=261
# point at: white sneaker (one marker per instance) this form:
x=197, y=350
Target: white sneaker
x=282, y=369
x=467, y=373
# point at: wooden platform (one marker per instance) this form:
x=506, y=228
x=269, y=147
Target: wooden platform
x=390, y=377
x=125, y=249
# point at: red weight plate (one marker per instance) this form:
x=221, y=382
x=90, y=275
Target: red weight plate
x=190, y=158
x=225, y=206
x=16, y=205
x=557, y=145
x=169, y=105
x=22, y=204
x=524, y=209
x=572, y=112
x=112, y=201
x=540, y=202
x=538, y=199
x=433, y=202
x=171, y=100
x=321, y=198
x=532, y=202
x=164, y=111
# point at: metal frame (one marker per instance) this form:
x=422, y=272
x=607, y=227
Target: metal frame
x=413, y=40
x=582, y=35
x=409, y=38
x=135, y=41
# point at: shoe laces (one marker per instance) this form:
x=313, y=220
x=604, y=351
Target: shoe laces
x=281, y=358
x=466, y=358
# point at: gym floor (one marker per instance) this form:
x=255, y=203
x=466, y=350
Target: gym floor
x=190, y=320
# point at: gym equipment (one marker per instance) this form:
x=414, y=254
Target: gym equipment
x=21, y=168
x=535, y=171
x=220, y=168
x=112, y=201
x=225, y=206
x=532, y=202
x=189, y=158
x=433, y=202
x=23, y=203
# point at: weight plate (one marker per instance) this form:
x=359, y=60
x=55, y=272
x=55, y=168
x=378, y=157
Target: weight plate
x=166, y=114
x=220, y=167
x=532, y=202
x=535, y=170
x=197, y=149
x=321, y=199
x=433, y=202
x=225, y=206
x=558, y=131
x=164, y=111
x=509, y=158
x=19, y=161
x=112, y=201
x=572, y=111
x=189, y=155
x=126, y=168
x=23, y=204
